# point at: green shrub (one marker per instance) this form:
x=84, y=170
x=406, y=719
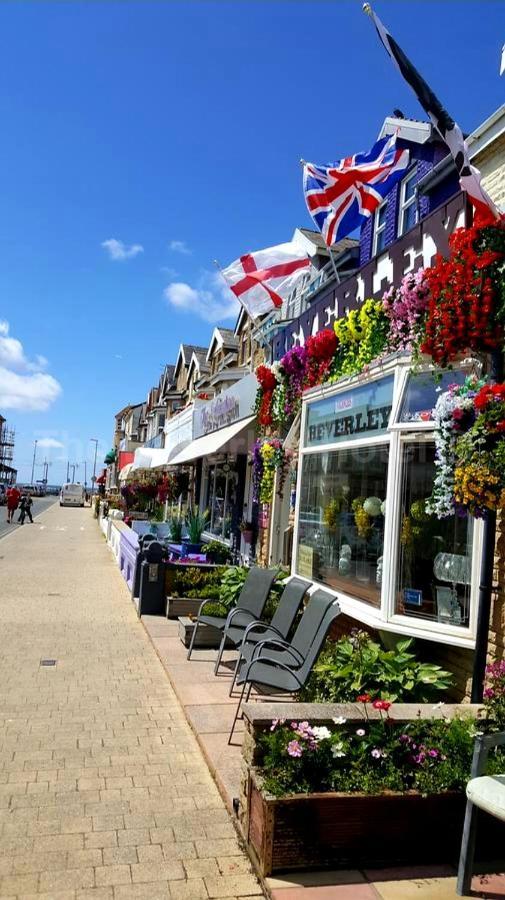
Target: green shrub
x=196, y=523
x=356, y=664
x=193, y=581
x=217, y=552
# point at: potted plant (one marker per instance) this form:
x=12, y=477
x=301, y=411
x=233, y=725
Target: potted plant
x=175, y=530
x=247, y=529
x=366, y=789
x=195, y=522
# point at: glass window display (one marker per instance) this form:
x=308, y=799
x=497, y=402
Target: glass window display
x=341, y=525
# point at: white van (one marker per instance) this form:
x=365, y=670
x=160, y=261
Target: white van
x=72, y=495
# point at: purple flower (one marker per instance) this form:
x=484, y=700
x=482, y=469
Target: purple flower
x=489, y=693
x=404, y=739
x=433, y=753
x=295, y=749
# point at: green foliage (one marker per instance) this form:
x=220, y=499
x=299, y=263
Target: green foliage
x=429, y=756
x=232, y=582
x=194, y=582
x=217, y=552
x=175, y=526
x=196, y=522
x=356, y=664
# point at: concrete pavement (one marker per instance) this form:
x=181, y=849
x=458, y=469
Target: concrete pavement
x=103, y=790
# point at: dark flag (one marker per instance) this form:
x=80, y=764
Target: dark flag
x=450, y=132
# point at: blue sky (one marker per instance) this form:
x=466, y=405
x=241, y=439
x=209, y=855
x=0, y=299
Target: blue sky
x=174, y=129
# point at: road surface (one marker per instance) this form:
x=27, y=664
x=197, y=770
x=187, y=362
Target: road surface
x=40, y=504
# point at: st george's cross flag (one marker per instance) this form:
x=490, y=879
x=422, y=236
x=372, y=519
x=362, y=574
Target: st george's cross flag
x=450, y=132
x=340, y=196
x=263, y=279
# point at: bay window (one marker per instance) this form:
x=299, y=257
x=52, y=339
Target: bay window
x=363, y=528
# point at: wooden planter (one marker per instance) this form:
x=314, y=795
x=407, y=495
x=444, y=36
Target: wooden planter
x=207, y=635
x=355, y=830
x=182, y=606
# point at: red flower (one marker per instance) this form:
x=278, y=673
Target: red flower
x=363, y=698
x=381, y=704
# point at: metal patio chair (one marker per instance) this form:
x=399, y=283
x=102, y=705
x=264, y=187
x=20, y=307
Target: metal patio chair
x=280, y=626
x=249, y=608
x=486, y=792
x=280, y=667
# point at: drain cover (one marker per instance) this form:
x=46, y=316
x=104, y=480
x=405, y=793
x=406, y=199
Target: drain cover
x=47, y=662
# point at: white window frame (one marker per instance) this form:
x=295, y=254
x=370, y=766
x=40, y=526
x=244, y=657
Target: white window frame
x=386, y=617
x=406, y=204
x=378, y=229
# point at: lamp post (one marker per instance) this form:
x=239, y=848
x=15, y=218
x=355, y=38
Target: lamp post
x=85, y=474
x=33, y=461
x=95, y=442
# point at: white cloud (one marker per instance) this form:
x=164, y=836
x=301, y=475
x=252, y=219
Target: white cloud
x=117, y=250
x=211, y=299
x=22, y=383
x=49, y=442
x=180, y=247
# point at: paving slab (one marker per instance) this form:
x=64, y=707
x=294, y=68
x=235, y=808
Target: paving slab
x=96, y=752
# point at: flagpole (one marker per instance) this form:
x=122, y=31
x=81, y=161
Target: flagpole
x=337, y=276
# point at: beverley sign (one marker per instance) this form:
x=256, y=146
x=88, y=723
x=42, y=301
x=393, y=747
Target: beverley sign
x=359, y=412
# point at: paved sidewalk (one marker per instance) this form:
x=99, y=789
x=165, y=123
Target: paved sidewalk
x=103, y=790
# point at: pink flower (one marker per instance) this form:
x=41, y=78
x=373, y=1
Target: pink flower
x=376, y=753
x=381, y=704
x=295, y=748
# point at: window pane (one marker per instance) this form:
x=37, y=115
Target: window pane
x=409, y=217
x=422, y=392
x=435, y=554
x=361, y=412
x=380, y=240
x=221, y=491
x=410, y=187
x=341, y=522
x=381, y=215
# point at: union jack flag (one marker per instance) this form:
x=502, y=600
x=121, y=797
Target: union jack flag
x=341, y=196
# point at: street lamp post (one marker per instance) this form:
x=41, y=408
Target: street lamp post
x=85, y=474
x=33, y=461
x=95, y=442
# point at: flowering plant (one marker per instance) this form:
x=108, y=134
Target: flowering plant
x=268, y=456
x=470, y=451
x=494, y=694
x=463, y=308
x=320, y=349
x=362, y=336
x=267, y=383
x=406, y=308
x=373, y=756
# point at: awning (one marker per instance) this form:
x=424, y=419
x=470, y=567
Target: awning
x=125, y=471
x=169, y=455
x=147, y=458
x=217, y=440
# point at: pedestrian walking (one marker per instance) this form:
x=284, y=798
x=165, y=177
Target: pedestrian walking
x=13, y=498
x=25, y=509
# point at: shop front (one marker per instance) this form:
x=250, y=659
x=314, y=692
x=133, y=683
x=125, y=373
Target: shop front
x=224, y=434
x=363, y=523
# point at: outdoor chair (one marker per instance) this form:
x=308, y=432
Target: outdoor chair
x=249, y=608
x=280, y=667
x=486, y=792
x=280, y=626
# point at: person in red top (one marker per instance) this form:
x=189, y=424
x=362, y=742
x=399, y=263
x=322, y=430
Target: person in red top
x=13, y=498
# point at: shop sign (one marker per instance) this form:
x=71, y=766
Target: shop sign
x=230, y=406
x=307, y=561
x=361, y=412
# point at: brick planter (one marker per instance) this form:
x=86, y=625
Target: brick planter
x=337, y=830
x=357, y=830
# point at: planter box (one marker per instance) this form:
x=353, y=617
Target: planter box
x=359, y=831
x=182, y=606
x=207, y=635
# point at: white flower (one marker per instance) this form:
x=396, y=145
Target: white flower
x=338, y=750
x=360, y=732
x=339, y=720
x=321, y=732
